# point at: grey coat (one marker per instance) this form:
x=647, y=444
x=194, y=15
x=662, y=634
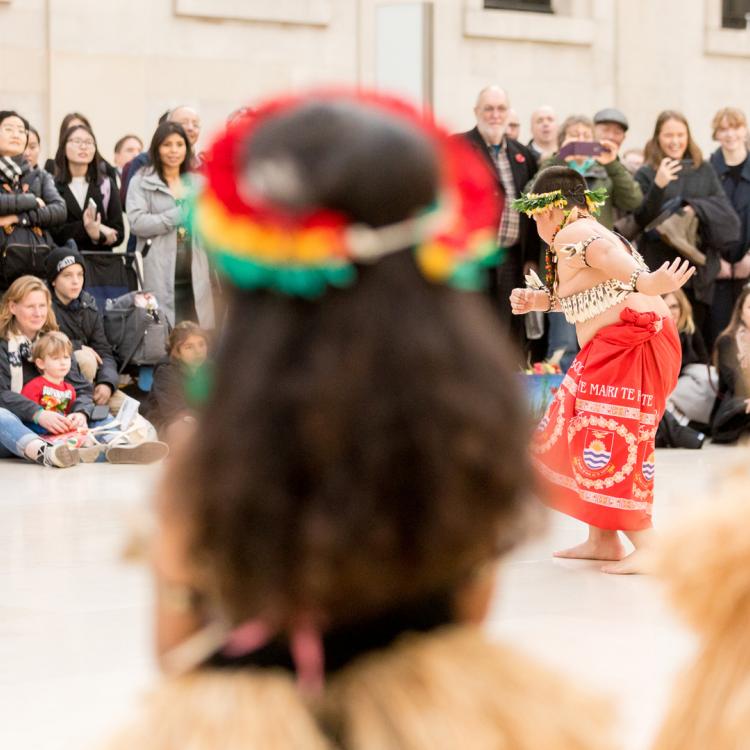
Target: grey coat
x=154, y=215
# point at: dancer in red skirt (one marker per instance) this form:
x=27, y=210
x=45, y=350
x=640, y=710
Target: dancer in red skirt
x=594, y=448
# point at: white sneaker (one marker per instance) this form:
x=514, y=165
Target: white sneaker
x=59, y=456
x=145, y=453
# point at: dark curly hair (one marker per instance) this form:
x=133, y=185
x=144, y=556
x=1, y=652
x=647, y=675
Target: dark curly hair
x=367, y=449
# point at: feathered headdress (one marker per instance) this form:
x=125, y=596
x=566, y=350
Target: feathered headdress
x=261, y=244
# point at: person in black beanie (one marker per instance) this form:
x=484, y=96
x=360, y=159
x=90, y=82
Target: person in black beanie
x=79, y=318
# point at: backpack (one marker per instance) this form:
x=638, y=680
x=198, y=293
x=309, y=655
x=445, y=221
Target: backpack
x=136, y=330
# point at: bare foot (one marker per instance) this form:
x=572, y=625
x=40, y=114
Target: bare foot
x=637, y=562
x=610, y=548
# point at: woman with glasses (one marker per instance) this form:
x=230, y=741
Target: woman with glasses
x=29, y=205
x=91, y=196
x=70, y=120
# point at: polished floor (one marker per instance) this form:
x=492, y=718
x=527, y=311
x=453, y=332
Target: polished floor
x=74, y=619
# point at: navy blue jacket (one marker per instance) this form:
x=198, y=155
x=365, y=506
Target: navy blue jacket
x=739, y=197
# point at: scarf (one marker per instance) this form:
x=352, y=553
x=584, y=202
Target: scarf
x=582, y=169
x=19, y=350
x=10, y=170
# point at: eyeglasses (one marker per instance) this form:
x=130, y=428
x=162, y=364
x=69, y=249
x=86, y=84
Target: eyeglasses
x=81, y=142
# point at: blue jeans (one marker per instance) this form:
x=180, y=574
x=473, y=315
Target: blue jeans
x=562, y=335
x=14, y=435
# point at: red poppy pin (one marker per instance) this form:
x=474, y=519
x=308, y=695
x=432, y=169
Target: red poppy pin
x=520, y=158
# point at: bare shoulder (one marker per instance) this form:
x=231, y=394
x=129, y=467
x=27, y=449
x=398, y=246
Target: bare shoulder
x=579, y=231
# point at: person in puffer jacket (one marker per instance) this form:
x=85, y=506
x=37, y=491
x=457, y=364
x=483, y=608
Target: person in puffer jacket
x=79, y=318
x=29, y=205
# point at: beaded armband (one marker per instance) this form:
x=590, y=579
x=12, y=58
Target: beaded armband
x=634, y=278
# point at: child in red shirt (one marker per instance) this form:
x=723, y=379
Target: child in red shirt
x=52, y=354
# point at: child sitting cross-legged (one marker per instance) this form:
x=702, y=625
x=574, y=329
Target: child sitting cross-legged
x=52, y=355
x=167, y=406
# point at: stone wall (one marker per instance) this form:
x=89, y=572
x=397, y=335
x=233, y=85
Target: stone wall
x=123, y=62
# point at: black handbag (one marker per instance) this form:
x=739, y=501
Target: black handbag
x=24, y=251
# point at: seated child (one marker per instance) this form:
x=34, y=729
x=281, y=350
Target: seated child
x=167, y=406
x=52, y=355
x=78, y=316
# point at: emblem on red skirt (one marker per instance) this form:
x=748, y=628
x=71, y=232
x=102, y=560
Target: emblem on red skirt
x=598, y=451
x=648, y=467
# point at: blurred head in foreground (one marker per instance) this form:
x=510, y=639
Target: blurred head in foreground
x=362, y=456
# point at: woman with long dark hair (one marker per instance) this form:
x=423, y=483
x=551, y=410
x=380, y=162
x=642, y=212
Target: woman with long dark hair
x=174, y=266
x=94, y=219
x=732, y=358
x=70, y=120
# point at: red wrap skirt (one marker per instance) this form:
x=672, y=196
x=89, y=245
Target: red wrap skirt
x=594, y=448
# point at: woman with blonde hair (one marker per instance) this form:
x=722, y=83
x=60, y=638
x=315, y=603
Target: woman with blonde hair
x=322, y=583
x=693, y=398
x=731, y=164
x=25, y=313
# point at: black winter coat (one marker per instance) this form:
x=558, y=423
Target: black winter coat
x=701, y=182
x=73, y=228
x=25, y=408
x=22, y=199
x=694, y=350
x=738, y=194
x=523, y=165
x=83, y=324
x=166, y=401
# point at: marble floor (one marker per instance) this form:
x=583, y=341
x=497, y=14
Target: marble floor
x=74, y=618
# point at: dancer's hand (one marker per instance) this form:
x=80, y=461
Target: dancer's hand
x=665, y=279
x=523, y=301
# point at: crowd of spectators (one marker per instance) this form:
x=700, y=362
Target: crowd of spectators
x=61, y=224
x=668, y=200
x=665, y=198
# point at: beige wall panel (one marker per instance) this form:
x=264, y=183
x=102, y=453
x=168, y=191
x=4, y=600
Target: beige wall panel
x=215, y=65
x=123, y=62
x=533, y=73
